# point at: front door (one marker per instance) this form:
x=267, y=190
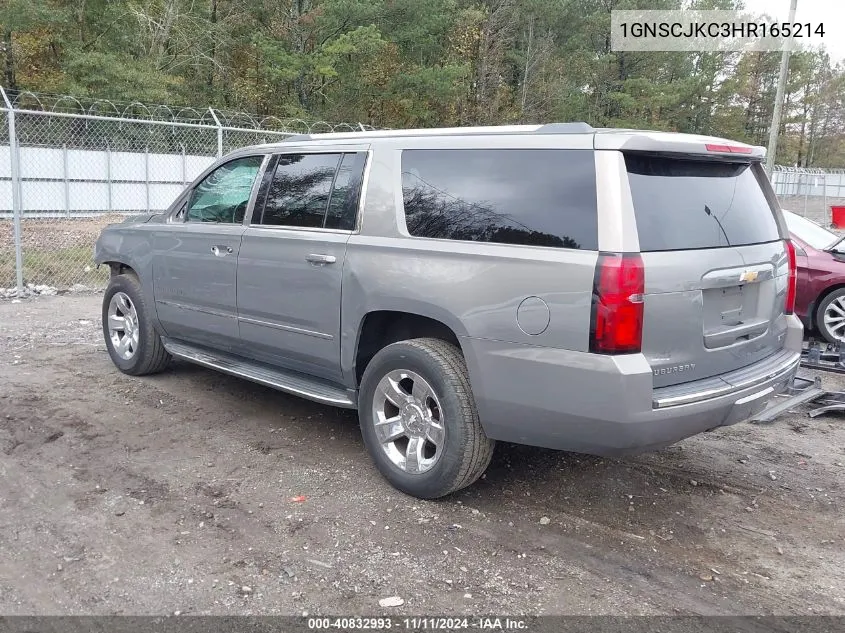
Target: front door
x=195, y=258
x=290, y=264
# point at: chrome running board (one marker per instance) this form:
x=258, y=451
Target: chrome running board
x=290, y=382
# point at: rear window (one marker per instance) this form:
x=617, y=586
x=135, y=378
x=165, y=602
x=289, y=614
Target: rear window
x=511, y=196
x=685, y=204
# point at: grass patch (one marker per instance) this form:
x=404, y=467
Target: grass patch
x=60, y=268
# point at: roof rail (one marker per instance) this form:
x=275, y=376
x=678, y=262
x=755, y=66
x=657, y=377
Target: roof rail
x=297, y=137
x=576, y=127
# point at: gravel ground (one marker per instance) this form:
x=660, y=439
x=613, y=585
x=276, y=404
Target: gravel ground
x=196, y=492
x=813, y=208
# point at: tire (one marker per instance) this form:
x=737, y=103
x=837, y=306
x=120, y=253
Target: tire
x=834, y=300
x=144, y=354
x=438, y=403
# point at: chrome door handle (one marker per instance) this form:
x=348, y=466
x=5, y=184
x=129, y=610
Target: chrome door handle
x=221, y=251
x=316, y=258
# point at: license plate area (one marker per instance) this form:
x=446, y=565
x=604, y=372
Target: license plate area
x=729, y=306
x=731, y=315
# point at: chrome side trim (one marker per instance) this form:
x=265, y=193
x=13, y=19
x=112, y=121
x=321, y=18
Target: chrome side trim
x=301, y=229
x=286, y=328
x=744, y=378
x=182, y=306
x=295, y=384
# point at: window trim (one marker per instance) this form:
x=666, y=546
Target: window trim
x=360, y=190
x=402, y=223
x=184, y=199
x=317, y=229
x=268, y=168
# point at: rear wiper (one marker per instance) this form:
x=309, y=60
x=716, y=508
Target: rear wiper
x=712, y=215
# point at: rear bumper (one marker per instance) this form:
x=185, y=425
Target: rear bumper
x=605, y=405
x=752, y=377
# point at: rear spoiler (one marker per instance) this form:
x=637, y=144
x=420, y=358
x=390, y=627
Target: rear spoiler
x=669, y=143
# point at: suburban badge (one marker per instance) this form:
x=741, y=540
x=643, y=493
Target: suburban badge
x=662, y=371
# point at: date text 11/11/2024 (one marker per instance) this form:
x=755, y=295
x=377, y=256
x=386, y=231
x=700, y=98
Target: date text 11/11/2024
x=417, y=623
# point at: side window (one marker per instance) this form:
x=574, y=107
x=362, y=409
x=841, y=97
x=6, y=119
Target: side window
x=224, y=194
x=343, y=206
x=300, y=190
x=513, y=196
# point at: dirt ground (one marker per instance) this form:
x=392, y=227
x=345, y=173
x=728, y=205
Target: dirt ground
x=174, y=493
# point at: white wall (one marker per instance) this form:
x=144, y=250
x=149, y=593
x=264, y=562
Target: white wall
x=788, y=183
x=82, y=182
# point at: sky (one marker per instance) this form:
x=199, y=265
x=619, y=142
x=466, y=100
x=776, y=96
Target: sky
x=829, y=12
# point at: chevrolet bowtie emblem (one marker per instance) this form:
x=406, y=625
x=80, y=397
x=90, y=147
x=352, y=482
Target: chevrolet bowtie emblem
x=748, y=275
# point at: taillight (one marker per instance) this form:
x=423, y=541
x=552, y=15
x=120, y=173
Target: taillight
x=616, y=320
x=792, y=280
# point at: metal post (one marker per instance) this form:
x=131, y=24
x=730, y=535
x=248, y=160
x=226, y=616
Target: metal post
x=219, y=132
x=806, y=192
x=108, y=175
x=784, y=70
x=824, y=196
x=184, y=167
x=17, y=210
x=147, y=175
x=65, y=177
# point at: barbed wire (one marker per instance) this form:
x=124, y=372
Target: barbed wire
x=808, y=170
x=26, y=100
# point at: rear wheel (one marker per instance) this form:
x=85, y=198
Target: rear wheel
x=419, y=420
x=132, y=342
x=830, y=317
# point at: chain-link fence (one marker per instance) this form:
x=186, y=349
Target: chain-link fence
x=68, y=168
x=810, y=191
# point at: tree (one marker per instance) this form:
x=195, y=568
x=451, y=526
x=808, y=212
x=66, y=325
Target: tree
x=402, y=63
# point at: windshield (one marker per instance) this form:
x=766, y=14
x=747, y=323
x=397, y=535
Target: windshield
x=809, y=232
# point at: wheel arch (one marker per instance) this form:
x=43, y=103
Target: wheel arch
x=379, y=328
x=118, y=267
x=121, y=265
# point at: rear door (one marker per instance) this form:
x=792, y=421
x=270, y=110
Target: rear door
x=291, y=260
x=715, y=264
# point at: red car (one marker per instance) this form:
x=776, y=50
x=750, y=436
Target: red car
x=820, y=298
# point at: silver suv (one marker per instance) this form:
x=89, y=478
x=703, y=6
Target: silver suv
x=592, y=290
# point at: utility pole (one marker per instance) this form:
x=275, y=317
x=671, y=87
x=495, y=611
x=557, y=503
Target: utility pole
x=784, y=72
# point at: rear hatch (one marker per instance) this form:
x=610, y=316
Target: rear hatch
x=715, y=264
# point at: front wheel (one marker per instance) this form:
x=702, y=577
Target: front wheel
x=133, y=344
x=419, y=420
x=830, y=317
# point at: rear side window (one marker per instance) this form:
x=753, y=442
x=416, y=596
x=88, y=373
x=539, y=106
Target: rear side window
x=511, y=196
x=687, y=204
x=313, y=190
x=343, y=205
x=299, y=192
